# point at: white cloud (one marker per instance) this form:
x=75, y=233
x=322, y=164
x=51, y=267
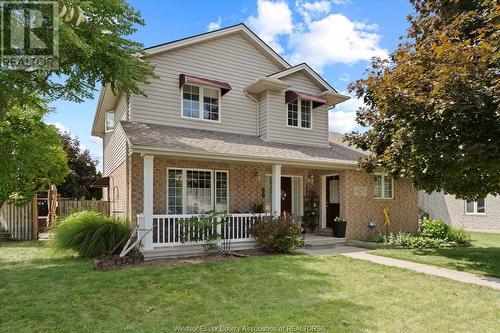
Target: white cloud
x=343, y=117
x=318, y=35
x=214, y=25
x=311, y=10
x=273, y=19
x=60, y=127
x=335, y=39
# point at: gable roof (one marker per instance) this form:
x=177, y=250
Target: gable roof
x=189, y=142
x=306, y=69
x=238, y=28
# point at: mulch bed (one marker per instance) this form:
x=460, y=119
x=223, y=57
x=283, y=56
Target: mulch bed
x=136, y=259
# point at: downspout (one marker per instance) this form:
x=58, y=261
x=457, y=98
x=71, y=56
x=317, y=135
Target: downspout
x=257, y=114
x=127, y=166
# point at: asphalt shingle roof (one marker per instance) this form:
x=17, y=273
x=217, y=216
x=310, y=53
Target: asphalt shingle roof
x=188, y=140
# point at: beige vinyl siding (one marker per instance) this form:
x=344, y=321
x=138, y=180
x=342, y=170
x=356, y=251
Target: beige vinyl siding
x=263, y=130
x=277, y=112
x=231, y=59
x=114, y=143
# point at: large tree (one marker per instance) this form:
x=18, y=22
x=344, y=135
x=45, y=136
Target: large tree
x=91, y=51
x=32, y=155
x=82, y=171
x=94, y=47
x=432, y=109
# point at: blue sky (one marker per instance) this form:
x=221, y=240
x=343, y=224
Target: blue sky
x=336, y=37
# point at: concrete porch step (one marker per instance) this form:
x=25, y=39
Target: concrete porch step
x=327, y=232
x=314, y=242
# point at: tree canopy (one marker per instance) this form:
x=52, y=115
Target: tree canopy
x=96, y=50
x=82, y=171
x=32, y=155
x=94, y=47
x=432, y=109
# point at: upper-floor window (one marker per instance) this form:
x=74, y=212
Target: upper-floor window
x=475, y=207
x=110, y=121
x=383, y=187
x=200, y=102
x=299, y=113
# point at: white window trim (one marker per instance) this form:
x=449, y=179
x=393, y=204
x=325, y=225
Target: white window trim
x=301, y=210
x=475, y=208
x=184, y=186
x=200, y=110
x=383, y=197
x=106, y=129
x=299, y=110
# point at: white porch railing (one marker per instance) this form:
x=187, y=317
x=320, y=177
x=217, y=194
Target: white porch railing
x=167, y=231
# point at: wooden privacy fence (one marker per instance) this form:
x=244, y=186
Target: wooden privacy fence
x=18, y=221
x=25, y=222
x=67, y=207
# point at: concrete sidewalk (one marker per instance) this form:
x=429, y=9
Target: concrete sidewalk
x=362, y=254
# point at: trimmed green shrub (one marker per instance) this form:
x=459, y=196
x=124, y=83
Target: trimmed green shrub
x=277, y=234
x=460, y=237
x=90, y=234
x=435, y=229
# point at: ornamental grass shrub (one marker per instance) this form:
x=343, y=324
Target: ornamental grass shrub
x=90, y=234
x=277, y=233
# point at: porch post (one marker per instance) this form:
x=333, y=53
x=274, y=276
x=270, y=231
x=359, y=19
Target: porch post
x=148, y=200
x=276, y=189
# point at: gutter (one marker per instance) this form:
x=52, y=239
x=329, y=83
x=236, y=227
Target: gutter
x=145, y=150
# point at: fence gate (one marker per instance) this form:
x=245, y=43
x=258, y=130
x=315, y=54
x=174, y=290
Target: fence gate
x=18, y=221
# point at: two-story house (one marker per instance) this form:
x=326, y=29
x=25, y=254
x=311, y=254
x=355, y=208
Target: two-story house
x=230, y=125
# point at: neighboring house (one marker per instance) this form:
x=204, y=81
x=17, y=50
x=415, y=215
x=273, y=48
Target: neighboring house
x=483, y=214
x=230, y=124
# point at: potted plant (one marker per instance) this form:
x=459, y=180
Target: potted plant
x=339, y=226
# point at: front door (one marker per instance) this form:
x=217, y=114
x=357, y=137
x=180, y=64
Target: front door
x=286, y=195
x=332, y=199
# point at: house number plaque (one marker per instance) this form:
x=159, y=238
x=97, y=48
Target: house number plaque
x=360, y=191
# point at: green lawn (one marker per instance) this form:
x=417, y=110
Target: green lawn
x=482, y=258
x=40, y=292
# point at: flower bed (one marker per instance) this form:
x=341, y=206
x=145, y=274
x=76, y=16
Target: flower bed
x=431, y=234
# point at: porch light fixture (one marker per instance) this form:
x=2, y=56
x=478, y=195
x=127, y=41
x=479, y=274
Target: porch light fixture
x=258, y=176
x=311, y=179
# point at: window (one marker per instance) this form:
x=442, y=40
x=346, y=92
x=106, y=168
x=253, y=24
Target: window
x=200, y=102
x=299, y=113
x=305, y=114
x=475, y=207
x=293, y=113
x=221, y=191
x=110, y=121
x=191, y=101
x=196, y=191
x=383, y=187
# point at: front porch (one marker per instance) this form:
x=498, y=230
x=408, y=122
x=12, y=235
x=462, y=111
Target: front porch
x=169, y=188
x=176, y=189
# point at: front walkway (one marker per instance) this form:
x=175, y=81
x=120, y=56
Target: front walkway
x=362, y=254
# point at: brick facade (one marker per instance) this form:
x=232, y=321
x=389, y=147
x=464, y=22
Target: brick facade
x=245, y=191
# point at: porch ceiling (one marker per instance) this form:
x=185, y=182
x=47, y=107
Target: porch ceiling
x=203, y=143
